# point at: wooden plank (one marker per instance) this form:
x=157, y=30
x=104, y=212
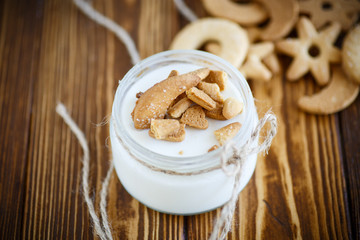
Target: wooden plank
x=19, y=46
x=71, y=69
x=50, y=51
x=350, y=129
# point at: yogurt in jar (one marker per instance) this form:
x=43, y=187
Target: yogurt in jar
x=153, y=171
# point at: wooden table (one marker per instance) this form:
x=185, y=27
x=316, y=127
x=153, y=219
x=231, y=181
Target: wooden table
x=307, y=187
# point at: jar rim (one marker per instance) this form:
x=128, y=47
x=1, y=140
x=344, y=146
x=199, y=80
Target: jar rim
x=203, y=161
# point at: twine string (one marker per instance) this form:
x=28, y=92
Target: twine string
x=185, y=10
x=61, y=110
x=223, y=224
x=120, y=32
x=239, y=156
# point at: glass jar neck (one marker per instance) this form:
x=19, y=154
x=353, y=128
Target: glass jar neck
x=183, y=165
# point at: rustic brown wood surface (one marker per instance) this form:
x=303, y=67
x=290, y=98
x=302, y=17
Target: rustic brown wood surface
x=307, y=187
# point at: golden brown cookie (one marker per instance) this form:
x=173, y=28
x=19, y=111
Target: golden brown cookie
x=351, y=54
x=246, y=14
x=211, y=89
x=195, y=117
x=167, y=129
x=312, y=51
x=322, y=12
x=232, y=38
x=216, y=113
x=336, y=96
x=283, y=16
x=201, y=98
x=154, y=103
x=218, y=77
x=179, y=108
x=271, y=61
x=232, y=107
x=253, y=68
x=226, y=133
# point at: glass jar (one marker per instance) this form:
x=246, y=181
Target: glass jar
x=184, y=185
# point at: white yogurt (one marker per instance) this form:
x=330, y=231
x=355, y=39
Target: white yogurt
x=197, y=142
x=153, y=171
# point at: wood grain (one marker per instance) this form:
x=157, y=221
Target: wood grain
x=307, y=187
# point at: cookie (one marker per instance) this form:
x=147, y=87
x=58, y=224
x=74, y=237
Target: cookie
x=322, y=12
x=312, y=51
x=271, y=61
x=226, y=133
x=195, y=117
x=351, y=54
x=232, y=38
x=251, y=13
x=218, y=77
x=179, y=108
x=215, y=113
x=167, y=129
x=232, y=107
x=211, y=89
x=283, y=16
x=336, y=96
x=201, y=98
x=154, y=103
x=253, y=67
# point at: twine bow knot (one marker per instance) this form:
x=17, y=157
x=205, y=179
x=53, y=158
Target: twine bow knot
x=232, y=166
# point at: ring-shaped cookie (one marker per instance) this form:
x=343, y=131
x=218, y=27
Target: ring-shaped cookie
x=245, y=14
x=283, y=16
x=351, y=54
x=231, y=37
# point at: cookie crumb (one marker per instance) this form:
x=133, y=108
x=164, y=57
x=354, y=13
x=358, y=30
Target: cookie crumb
x=181, y=152
x=138, y=95
x=213, y=148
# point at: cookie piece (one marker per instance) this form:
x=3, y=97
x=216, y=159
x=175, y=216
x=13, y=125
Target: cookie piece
x=336, y=96
x=218, y=77
x=312, y=51
x=173, y=73
x=215, y=113
x=351, y=54
x=226, y=133
x=179, y=107
x=213, y=148
x=155, y=101
x=201, y=98
x=232, y=107
x=211, y=89
x=195, y=117
x=167, y=129
x=232, y=38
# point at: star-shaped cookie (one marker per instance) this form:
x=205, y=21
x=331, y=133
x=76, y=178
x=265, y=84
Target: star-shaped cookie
x=321, y=12
x=253, y=67
x=312, y=51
